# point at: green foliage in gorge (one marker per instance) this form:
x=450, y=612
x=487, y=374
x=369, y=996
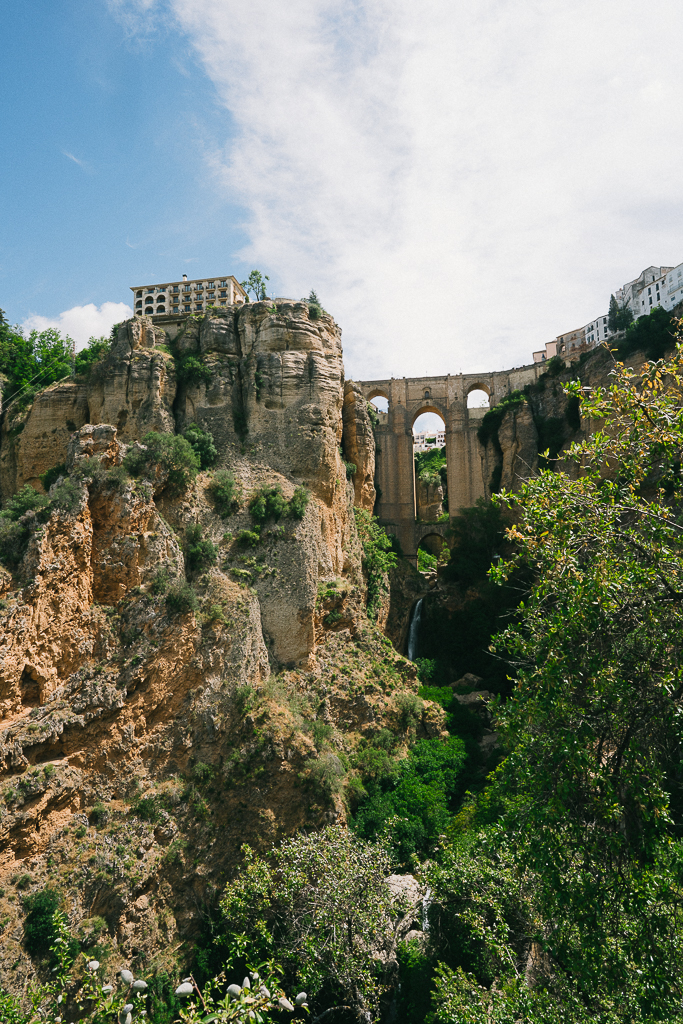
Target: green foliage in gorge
x=590, y=791
x=202, y=444
x=319, y=905
x=225, y=493
x=173, y=455
x=412, y=796
x=22, y=513
x=378, y=557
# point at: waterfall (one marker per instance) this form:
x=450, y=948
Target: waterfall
x=414, y=630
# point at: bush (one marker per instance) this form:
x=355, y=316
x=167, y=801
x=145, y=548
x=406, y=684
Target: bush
x=202, y=444
x=298, y=503
x=160, y=581
x=172, y=453
x=39, y=927
x=181, y=599
x=267, y=503
x=200, y=553
x=249, y=538
x=192, y=370
x=147, y=808
x=23, y=510
x=66, y=496
x=99, y=815
x=327, y=774
x=224, y=491
x=50, y=476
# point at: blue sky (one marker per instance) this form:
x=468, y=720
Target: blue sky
x=460, y=182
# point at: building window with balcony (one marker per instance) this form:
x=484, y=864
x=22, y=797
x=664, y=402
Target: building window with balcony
x=176, y=309
x=223, y=294
x=187, y=307
x=176, y=290
x=198, y=305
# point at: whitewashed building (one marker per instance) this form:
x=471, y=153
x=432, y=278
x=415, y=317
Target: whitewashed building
x=183, y=297
x=427, y=439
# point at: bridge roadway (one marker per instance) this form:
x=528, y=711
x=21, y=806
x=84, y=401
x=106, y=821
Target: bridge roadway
x=469, y=467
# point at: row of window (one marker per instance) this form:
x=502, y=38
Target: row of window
x=177, y=308
x=186, y=288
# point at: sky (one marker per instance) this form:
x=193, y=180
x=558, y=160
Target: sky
x=459, y=182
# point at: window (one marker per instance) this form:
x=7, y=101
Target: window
x=161, y=309
x=649, y=291
x=175, y=309
x=209, y=284
x=200, y=287
x=176, y=289
x=650, y=301
x=223, y=303
x=139, y=294
x=150, y=298
x=198, y=305
x=223, y=294
x=210, y=295
x=187, y=288
x=149, y=309
x=187, y=307
x=138, y=305
x=224, y=283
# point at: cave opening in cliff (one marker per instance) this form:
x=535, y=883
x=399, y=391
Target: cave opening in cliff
x=430, y=478
x=29, y=688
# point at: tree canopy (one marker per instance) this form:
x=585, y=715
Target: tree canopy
x=31, y=362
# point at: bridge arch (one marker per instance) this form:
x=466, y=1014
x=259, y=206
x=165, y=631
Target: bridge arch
x=427, y=407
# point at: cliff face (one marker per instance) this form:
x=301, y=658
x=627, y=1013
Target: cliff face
x=143, y=732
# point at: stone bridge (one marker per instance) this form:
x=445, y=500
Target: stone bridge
x=468, y=471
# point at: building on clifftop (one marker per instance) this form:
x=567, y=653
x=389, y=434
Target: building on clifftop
x=177, y=298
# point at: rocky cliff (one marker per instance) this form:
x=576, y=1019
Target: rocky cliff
x=158, y=706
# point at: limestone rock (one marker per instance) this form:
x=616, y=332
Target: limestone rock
x=134, y=387
x=94, y=442
x=429, y=500
x=518, y=439
x=359, y=445
x=36, y=438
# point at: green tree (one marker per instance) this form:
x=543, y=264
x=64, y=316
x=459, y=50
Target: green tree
x=592, y=784
x=613, y=314
x=30, y=363
x=322, y=905
x=202, y=443
x=256, y=284
x=91, y=354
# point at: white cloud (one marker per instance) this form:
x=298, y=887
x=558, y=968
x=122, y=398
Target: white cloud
x=82, y=322
x=460, y=182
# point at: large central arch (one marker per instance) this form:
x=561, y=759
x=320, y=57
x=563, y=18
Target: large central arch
x=468, y=471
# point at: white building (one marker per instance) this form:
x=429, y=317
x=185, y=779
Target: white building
x=666, y=291
x=631, y=293
x=428, y=439
x=655, y=286
x=183, y=297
